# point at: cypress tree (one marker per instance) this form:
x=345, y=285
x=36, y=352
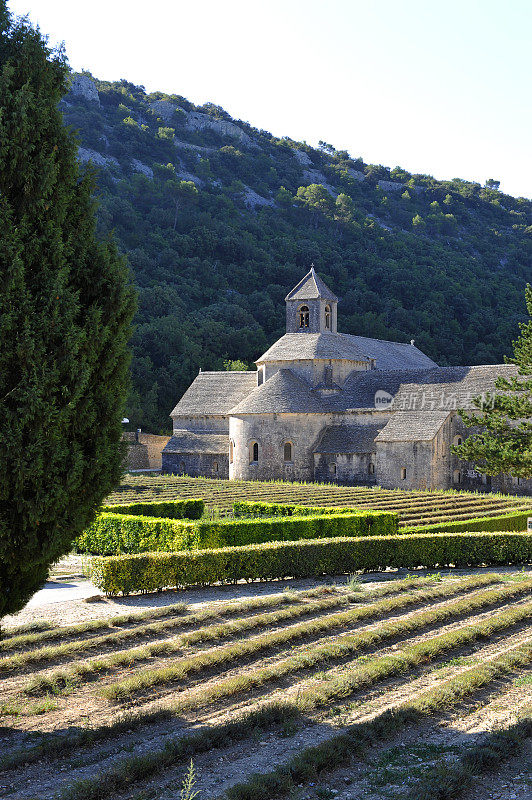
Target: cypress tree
x=66, y=306
x=504, y=442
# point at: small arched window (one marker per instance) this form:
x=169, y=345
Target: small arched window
x=231, y=449
x=327, y=318
x=253, y=452
x=304, y=317
x=457, y=440
x=288, y=451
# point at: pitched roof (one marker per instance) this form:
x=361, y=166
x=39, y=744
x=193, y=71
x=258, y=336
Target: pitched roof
x=331, y=346
x=215, y=393
x=192, y=442
x=450, y=388
x=348, y=439
x=310, y=288
x=360, y=388
x=285, y=393
x=410, y=426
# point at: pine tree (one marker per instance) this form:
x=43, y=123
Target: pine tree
x=504, y=443
x=65, y=312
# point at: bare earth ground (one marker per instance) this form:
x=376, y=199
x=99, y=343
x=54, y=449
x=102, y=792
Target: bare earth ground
x=69, y=572
x=387, y=771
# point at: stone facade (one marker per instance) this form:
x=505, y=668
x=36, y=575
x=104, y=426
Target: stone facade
x=330, y=407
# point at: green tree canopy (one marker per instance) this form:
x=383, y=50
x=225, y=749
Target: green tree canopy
x=65, y=312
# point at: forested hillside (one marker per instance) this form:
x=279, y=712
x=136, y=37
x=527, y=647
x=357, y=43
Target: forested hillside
x=219, y=220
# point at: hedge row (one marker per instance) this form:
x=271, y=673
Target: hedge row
x=112, y=534
x=304, y=559
x=174, y=509
x=256, y=508
x=515, y=521
x=237, y=532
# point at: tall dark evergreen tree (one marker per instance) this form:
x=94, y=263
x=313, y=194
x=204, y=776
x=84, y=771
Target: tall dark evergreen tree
x=66, y=306
x=504, y=442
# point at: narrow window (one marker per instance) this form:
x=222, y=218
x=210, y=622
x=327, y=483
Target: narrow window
x=253, y=452
x=215, y=466
x=371, y=469
x=260, y=377
x=182, y=467
x=328, y=318
x=457, y=440
x=403, y=473
x=288, y=451
x=304, y=317
x=231, y=446
x=457, y=476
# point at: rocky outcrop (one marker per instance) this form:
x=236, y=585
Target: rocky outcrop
x=390, y=186
x=189, y=176
x=85, y=154
x=83, y=86
x=302, y=157
x=138, y=166
x=164, y=109
x=356, y=174
x=315, y=176
x=199, y=122
x=254, y=200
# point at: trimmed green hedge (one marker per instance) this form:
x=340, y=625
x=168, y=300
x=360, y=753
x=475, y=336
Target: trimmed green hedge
x=112, y=534
x=150, y=572
x=255, y=508
x=231, y=533
x=174, y=509
x=515, y=521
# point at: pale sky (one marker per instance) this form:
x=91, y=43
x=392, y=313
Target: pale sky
x=435, y=86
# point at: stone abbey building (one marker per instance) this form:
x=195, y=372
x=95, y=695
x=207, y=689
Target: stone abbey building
x=328, y=406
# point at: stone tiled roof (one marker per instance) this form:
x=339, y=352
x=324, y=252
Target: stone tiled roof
x=348, y=439
x=331, y=346
x=193, y=442
x=285, y=393
x=360, y=388
x=450, y=388
x=215, y=393
x=310, y=288
x=410, y=426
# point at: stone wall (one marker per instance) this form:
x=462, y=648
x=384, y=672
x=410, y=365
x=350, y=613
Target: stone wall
x=271, y=431
x=208, y=465
x=211, y=423
x=316, y=316
x=344, y=468
x=414, y=457
x=147, y=452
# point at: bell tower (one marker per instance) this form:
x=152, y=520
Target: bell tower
x=311, y=306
